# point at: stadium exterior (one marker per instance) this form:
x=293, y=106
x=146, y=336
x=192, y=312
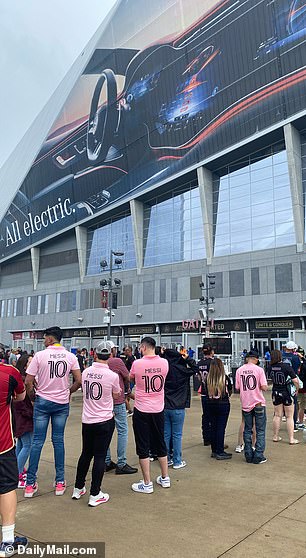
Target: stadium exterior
x=179, y=138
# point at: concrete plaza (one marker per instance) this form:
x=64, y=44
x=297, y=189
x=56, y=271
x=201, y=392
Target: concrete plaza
x=213, y=509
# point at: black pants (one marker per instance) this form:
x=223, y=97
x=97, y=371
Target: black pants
x=206, y=426
x=218, y=412
x=96, y=439
x=149, y=433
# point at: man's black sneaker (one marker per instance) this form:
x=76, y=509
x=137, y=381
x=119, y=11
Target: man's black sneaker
x=126, y=470
x=8, y=549
x=110, y=466
x=263, y=460
x=213, y=454
x=223, y=456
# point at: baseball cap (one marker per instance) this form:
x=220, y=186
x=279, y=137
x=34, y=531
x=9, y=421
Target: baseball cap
x=252, y=353
x=291, y=345
x=104, y=347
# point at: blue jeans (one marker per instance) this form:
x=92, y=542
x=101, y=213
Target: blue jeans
x=44, y=410
x=258, y=415
x=23, y=449
x=121, y=424
x=174, y=422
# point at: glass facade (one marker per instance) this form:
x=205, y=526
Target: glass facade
x=117, y=235
x=173, y=228
x=252, y=204
x=303, y=153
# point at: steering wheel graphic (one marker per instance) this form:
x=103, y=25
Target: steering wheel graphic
x=102, y=119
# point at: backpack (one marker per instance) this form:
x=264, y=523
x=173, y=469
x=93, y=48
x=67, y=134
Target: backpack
x=302, y=374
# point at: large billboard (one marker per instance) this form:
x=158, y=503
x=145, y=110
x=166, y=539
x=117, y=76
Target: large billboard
x=169, y=84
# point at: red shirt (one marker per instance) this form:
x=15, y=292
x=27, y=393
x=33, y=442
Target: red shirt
x=116, y=365
x=10, y=384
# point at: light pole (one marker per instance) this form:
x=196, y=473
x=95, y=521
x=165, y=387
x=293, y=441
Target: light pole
x=108, y=284
x=207, y=299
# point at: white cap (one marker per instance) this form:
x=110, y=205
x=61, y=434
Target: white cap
x=104, y=347
x=291, y=345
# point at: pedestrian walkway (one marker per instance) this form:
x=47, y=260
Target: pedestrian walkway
x=213, y=509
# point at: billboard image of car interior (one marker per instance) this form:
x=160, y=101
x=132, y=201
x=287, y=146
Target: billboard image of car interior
x=168, y=85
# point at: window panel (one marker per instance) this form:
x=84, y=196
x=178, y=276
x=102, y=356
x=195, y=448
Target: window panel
x=195, y=289
x=175, y=226
x=148, y=292
x=283, y=278
x=116, y=234
x=265, y=196
x=255, y=281
x=2, y=309
x=174, y=289
x=236, y=282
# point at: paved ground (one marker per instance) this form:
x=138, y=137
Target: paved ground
x=213, y=509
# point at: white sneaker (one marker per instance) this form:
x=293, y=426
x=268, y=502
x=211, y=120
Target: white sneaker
x=239, y=449
x=142, y=487
x=164, y=482
x=78, y=492
x=97, y=500
x=180, y=465
x=60, y=488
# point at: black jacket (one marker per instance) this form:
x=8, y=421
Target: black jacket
x=177, y=384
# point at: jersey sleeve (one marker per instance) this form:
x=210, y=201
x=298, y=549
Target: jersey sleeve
x=124, y=371
x=237, y=380
x=262, y=377
x=289, y=371
x=74, y=363
x=116, y=385
x=19, y=388
x=32, y=370
x=133, y=369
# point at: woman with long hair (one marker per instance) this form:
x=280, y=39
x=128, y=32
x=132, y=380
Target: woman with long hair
x=285, y=382
x=219, y=390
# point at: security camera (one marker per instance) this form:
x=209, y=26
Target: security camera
x=80, y=319
x=139, y=315
x=211, y=309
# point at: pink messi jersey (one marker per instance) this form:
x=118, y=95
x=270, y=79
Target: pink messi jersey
x=51, y=368
x=99, y=383
x=150, y=373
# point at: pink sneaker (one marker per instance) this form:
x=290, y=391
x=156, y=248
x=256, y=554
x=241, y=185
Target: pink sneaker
x=30, y=490
x=60, y=488
x=21, y=481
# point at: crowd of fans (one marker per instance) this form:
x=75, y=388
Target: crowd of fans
x=150, y=384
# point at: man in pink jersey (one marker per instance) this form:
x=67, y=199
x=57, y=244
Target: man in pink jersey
x=100, y=387
x=251, y=382
x=149, y=374
x=48, y=376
